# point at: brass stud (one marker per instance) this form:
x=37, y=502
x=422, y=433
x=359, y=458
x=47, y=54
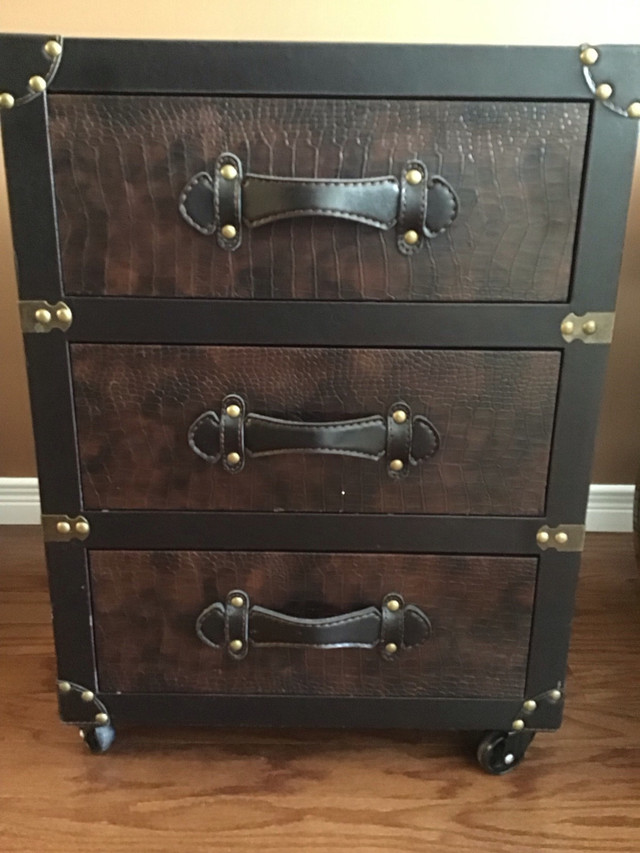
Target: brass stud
x=393, y=605
x=233, y=458
x=6, y=101
x=396, y=464
x=102, y=719
x=411, y=237
x=604, y=91
x=237, y=601
x=43, y=316
x=63, y=527
x=64, y=315
x=414, y=176
x=229, y=232
x=234, y=411
x=82, y=527
x=633, y=110
x=53, y=49
x=399, y=416
x=567, y=327
x=561, y=538
x=391, y=648
x=589, y=56
x=542, y=537
x=530, y=705
x=64, y=686
x=517, y=725
x=555, y=695
x=590, y=327
x=229, y=172
x=88, y=696
x=235, y=645
x=37, y=83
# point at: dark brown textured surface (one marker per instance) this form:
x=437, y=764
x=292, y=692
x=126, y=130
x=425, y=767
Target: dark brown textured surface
x=493, y=409
x=146, y=604
x=121, y=162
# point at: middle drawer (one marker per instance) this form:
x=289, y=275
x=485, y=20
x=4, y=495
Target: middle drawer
x=314, y=429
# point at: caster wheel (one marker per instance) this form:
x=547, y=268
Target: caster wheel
x=98, y=738
x=500, y=752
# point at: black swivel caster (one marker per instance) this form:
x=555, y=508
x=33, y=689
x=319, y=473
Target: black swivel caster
x=500, y=752
x=98, y=738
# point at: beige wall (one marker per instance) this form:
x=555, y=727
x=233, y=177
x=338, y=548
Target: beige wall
x=464, y=21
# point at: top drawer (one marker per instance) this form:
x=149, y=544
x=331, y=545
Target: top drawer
x=121, y=164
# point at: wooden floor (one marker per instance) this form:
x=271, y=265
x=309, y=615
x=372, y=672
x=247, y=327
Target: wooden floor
x=201, y=790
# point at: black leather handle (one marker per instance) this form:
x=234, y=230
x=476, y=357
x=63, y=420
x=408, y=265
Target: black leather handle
x=236, y=434
x=234, y=623
x=420, y=206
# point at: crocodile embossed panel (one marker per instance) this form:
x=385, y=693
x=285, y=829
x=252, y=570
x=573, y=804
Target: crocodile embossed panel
x=494, y=410
x=146, y=604
x=121, y=162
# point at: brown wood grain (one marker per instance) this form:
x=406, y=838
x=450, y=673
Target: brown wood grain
x=171, y=790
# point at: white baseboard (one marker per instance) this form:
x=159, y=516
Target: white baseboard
x=19, y=500
x=610, y=507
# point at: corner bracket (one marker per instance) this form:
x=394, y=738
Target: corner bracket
x=28, y=64
x=604, y=91
x=565, y=537
x=595, y=327
x=80, y=705
x=39, y=316
x=526, y=716
x=63, y=528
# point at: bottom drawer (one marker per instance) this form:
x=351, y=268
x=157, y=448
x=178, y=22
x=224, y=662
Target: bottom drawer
x=466, y=623
x=316, y=624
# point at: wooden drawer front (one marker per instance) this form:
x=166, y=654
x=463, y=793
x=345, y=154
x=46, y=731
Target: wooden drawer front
x=146, y=604
x=121, y=162
x=493, y=411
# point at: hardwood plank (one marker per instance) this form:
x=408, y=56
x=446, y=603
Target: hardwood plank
x=278, y=791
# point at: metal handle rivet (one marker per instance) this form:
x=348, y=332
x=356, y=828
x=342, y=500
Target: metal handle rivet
x=63, y=527
x=6, y=101
x=517, y=725
x=589, y=328
x=229, y=172
x=43, y=316
x=399, y=416
x=235, y=645
x=82, y=527
x=391, y=648
x=102, y=719
x=233, y=411
x=53, y=49
x=604, y=91
x=567, y=327
x=411, y=237
x=88, y=696
x=530, y=705
x=64, y=686
x=414, y=176
x=393, y=604
x=542, y=537
x=237, y=601
x=229, y=232
x=589, y=56
x=561, y=538
x=37, y=83
x=396, y=464
x=233, y=458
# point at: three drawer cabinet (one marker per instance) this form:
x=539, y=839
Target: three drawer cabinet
x=315, y=337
